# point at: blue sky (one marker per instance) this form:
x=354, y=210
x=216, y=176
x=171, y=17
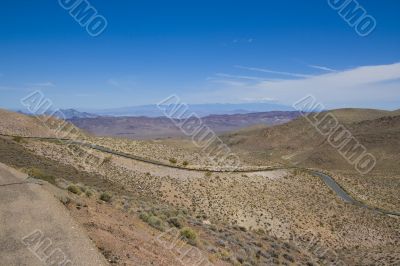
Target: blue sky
x=203, y=51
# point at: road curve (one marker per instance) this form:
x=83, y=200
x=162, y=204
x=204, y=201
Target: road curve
x=328, y=180
x=342, y=194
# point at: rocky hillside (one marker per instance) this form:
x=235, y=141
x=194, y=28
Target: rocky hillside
x=12, y=123
x=298, y=142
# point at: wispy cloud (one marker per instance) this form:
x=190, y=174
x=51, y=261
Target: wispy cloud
x=344, y=79
x=227, y=82
x=323, y=68
x=224, y=75
x=360, y=86
x=297, y=75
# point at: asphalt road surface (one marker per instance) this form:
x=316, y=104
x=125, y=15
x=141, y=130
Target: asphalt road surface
x=36, y=229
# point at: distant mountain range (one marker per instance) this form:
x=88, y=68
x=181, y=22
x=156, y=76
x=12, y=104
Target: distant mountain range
x=200, y=109
x=153, y=110
x=163, y=127
x=72, y=113
x=64, y=114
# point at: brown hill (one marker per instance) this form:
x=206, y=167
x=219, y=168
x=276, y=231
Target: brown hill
x=299, y=143
x=350, y=115
x=12, y=123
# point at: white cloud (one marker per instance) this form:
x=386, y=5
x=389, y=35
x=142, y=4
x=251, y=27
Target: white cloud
x=323, y=68
x=296, y=75
x=361, y=86
x=344, y=79
x=227, y=82
x=223, y=75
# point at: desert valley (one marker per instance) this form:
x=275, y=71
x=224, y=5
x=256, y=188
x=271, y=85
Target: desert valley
x=200, y=133
x=270, y=210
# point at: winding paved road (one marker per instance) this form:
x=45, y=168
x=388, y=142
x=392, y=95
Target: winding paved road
x=328, y=180
x=341, y=193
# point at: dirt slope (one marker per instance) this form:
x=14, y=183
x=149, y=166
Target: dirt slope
x=13, y=123
x=298, y=142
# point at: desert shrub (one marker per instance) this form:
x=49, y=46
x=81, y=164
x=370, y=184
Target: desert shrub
x=167, y=212
x=105, y=197
x=156, y=222
x=39, y=174
x=176, y=222
x=65, y=200
x=189, y=235
x=224, y=255
x=89, y=193
x=173, y=160
x=74, y=189
x=144, y=216
x=185, y=163
x=208, y=174
x=152, y=220
x=17, y=139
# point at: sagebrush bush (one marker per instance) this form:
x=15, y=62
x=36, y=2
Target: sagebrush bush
x=89, y=193
x=152, y=220
x=189, y=235
x=105, y=197
x=144, y=216
x=156, y=222
x=176, y=222
x=74, y=189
